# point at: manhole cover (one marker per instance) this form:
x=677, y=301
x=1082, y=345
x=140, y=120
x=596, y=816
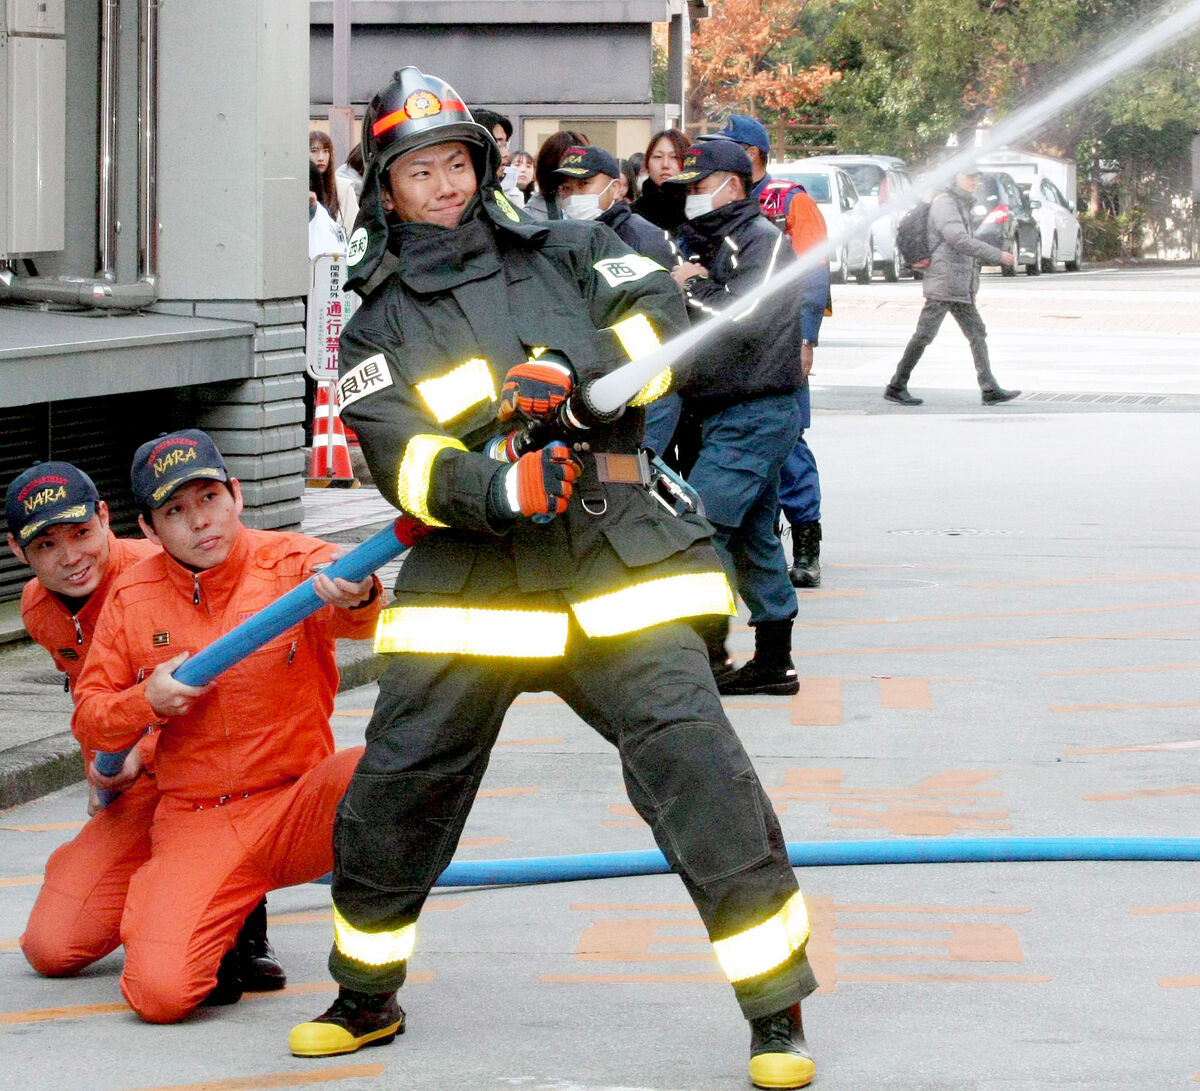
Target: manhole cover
x=958, y=532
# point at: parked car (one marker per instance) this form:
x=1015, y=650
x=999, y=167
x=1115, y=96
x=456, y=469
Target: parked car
x=1062, y=237
x=1003, y=218
x=838, y=200
x=878, y=179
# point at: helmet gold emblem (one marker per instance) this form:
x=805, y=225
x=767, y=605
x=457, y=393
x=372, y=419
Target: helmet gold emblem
x=422, y=104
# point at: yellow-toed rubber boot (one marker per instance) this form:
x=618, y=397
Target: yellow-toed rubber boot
x=353, y=1020
x=779, y=1057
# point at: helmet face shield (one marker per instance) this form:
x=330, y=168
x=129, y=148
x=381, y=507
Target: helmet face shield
x=415, y=111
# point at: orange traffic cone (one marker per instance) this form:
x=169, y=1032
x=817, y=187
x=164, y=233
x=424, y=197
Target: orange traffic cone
x=330, y=461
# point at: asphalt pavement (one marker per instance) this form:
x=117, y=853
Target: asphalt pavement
x=1006, y=643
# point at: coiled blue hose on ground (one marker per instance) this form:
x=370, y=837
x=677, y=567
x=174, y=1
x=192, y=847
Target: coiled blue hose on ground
x=928, y=850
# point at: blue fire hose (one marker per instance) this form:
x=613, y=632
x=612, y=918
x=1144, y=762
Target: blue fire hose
x=928, y=850
x=280, y=616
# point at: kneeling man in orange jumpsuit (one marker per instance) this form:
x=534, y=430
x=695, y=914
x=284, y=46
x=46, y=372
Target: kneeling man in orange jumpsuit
x=246, y=772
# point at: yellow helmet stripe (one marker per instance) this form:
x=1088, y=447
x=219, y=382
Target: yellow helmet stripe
x=652, y=602
x=416, y=468
x=760, y=949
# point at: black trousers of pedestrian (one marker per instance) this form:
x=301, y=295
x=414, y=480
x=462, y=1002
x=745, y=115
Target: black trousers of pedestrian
x=969, y=320
x=651, y=694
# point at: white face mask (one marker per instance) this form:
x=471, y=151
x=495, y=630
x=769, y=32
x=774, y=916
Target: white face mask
x=584, y=206
x=701, y=204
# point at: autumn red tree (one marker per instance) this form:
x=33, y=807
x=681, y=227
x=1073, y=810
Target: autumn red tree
x=738, y=61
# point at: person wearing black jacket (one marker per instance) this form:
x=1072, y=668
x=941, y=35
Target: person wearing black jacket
x=742, y=385
x=549, y=565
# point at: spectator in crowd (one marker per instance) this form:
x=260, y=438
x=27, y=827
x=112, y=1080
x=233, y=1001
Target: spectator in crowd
x=629, y=171
x=950, y=285
x=246, y=771
x=521, y=166
x=742, y=385
x=320, y=154
x=501, y=129
x=637, y=163
x=792, y=210
x=350, y=173
x=325, y=234
x=664, y=159
x=544, y=205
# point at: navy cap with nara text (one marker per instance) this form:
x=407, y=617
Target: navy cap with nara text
x=45, y=494
x=587, y=160
x=161, y=465
x=701, y=160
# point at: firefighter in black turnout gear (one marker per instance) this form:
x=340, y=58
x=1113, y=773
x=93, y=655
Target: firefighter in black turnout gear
x=550, y=565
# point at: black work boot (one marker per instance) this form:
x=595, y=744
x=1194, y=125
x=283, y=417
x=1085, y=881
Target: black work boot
x=771, y=670
x=779, y=1057
x=990, y=391
x=901, y=396
x=229, y=988
x=352, y=1021
x=806, y=555
x=714, y=631
x=259, y=968
x=998, y=394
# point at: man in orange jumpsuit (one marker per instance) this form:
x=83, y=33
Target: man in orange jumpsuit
x=246, y=772
x=59, y=526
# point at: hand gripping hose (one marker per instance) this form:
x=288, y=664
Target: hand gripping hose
x=280, y=616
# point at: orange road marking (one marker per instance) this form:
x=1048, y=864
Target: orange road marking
x=1182, y=578
x=551, y=740
x=8, y=944
x=492, y=793
x=82, y=1011
x=632, y=979
x=1125, y=706
x=277, y=1079
x=539, y=699
x=1155, y=910
x=985, y=645
x=350, y=712
x=819, y=703
x=479, y=842
x=621, y=907
x=21, y=880
x=1119, y=670
x=905, y=693
x=965, y=910
x=1191, y=982
x=1193, y=744
x=1146, y=793
x=44, y=827
x=967, y=979
x=925, y=618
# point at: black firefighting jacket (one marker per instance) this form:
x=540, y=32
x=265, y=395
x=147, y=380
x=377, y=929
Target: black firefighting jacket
x=422, y=364
x=759, y=354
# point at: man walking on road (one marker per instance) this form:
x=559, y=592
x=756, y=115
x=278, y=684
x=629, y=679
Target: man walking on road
x=950, y=285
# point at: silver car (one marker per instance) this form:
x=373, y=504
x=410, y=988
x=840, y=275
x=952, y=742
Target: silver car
x=878, y=180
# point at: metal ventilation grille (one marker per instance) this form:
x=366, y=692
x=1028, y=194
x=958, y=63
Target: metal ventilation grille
x=1101, y=399
x=99, y=435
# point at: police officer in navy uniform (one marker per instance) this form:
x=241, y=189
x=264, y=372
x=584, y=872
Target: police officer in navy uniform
x=550, y=565
x=743, y=387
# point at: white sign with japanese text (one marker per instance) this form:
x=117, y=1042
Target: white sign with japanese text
x=329, y=309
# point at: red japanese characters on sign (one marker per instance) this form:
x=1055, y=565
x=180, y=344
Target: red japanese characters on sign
x=329, y=309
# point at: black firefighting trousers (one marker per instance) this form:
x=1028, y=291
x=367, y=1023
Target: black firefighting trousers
x=652, y=695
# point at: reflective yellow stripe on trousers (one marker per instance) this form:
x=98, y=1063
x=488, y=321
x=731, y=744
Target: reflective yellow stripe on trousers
x=373, y=948
x=760, y=949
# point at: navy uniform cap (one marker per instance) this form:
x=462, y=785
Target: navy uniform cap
x=583, y=162
x=45, y=494
x=713, y=155
x=161, y=465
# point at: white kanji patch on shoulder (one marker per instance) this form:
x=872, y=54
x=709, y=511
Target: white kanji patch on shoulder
x=618, y=271
x=370, y=377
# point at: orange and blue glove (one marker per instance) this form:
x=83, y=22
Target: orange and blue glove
x=538, y=486
x=536, y=388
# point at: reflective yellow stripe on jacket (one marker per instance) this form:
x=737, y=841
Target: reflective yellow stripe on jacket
x=416, y=468
x=638, y=339
x=652, y=602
